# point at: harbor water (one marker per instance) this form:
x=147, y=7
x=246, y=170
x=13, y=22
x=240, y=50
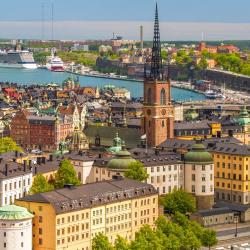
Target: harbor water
x=43, y=76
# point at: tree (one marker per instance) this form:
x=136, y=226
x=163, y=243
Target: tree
x=40, y=185
x=121, y=244
x=101, y=242
x=178, y=201
x=136, y=171
x=66, y=174
x=203, y=64
x=208, y=238
x=191, y=242
x=146, y=239
x=7, y=144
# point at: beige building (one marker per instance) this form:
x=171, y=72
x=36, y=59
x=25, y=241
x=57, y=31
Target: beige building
x=199, y=175
x=69, y=218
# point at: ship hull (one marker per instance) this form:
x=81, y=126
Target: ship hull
x=19, y=65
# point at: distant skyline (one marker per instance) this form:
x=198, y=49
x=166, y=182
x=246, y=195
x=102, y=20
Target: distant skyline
x=98, y=19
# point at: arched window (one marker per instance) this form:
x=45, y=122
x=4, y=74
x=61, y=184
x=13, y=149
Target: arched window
x=163, y=124
x=149, y=96
x=163, y=97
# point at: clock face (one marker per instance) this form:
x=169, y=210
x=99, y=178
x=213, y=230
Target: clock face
x=149, y=112
x=163, y=111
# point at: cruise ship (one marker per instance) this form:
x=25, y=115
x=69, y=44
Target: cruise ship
x=17, y=59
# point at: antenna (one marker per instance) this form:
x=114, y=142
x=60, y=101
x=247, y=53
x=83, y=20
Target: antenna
x=202, y=36
x=42, y=21
x=52, y=21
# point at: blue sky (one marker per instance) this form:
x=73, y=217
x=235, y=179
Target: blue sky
x=22, y=18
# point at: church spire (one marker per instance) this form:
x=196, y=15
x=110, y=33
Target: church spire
x=156, y=61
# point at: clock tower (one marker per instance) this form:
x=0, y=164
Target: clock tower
x=158, y=112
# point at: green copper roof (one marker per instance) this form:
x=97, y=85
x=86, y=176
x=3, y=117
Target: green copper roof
x=191, y=114
x=198, y=154
x=244, y=118
x=121, y=160
x=13, y=212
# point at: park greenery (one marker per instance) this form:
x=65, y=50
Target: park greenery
x=78, y=57
x=178, y=201
x=136, y=171
x=176, y=232
x=66, y=174
x=7, y=144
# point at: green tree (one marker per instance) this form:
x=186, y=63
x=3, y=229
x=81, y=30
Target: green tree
x=121, y=244
x=136, y=171
x=208, y=238
x=40, y=185
x=101, y=242
x=146, y=239
x=191, y=242
x=203, y=64
x=66, y=174
x=178, y=201
x=7, y=144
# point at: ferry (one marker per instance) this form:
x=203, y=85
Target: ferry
x=55, y=63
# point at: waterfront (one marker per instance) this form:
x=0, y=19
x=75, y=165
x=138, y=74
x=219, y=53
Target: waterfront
x=40, y=76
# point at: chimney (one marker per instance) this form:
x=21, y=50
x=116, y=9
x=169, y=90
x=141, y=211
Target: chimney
x=100, y=156
x=24, y=165
x=6, y=169
x=43, y=160
x=69, y=186
x=219, y=134
x=230, y=133
x=30, y=164
x=39, y=160
x=35, y=170
x=51, y=157
x=157, y=151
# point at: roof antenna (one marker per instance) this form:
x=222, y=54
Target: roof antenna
x=52, y=21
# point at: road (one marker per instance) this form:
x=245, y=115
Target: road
x=232, y=231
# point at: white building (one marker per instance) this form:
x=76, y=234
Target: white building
x=83, y=167
x=199, y=175
x=15, y=228
x=15, y=181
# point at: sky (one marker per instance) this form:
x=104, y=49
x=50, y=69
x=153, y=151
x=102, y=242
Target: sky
x=98, y=19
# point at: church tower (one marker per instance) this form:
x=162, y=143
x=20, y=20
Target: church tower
x=158, y=112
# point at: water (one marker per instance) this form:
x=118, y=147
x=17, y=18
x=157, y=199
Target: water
x=41, y=76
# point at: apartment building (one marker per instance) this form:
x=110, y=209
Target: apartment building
x=72, y=216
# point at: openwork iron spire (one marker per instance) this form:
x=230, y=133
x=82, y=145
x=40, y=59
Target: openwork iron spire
x=156, y=61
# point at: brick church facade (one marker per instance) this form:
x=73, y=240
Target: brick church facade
x=158, y=112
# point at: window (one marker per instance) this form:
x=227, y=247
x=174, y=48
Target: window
x=40, y=241
x=203, y=178
x=193, y=167
x=21, y=244
x=40, y=208
x=40, y=219
x=149, y=95
x=193, y=177
x=163, y=97
x=203, y=167
x=193, y=188
x=203, y=189
x=40, y=230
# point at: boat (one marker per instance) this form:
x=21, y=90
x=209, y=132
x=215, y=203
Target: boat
x=210, y=94
x=55, y=63
x=17, y=59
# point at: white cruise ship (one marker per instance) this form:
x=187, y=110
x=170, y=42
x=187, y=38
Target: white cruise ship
x=17, y=59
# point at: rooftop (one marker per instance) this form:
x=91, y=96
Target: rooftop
x=90, y=195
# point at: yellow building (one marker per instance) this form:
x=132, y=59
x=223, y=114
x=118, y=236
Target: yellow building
x=69, y=218
x=232, y=172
